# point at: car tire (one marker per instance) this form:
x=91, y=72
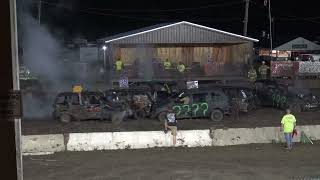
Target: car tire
x=295, y=108
x=216, y=115
x=162, y=116
x=65, y=118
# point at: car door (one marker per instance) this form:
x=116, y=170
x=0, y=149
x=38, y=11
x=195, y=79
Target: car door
x=279, y=98
x=75, y=106
x=61, y=104
x=219, y=100
x=92, y=108
x=182, y=107
x=199, y=105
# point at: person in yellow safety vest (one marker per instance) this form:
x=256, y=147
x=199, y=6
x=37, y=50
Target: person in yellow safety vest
x=167, y=64
x=263, y=70
x=252, y=74
x=288, y=125
x=119, y=65
x=181, y=67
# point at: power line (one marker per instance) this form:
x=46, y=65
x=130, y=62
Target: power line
x=168, y=10
x=289, y=17
x=87, y=11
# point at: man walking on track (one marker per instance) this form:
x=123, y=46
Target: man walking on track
x=171, y=123
x=288, y=124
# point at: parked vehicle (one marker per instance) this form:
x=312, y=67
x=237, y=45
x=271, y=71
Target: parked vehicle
x=196, y=103
x=309, y=57
x=246, y=95
x=70, y=106
x=273, y=94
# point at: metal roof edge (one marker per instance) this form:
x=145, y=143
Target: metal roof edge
x=280, y=48
x=220, y=31
x=150, y=30
x=184, y=22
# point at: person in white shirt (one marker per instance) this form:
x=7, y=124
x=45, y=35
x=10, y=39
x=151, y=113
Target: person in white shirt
x=171, y=123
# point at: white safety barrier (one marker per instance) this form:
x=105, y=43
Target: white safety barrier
x=135, y=140
x=313, y=132
x=42, y=144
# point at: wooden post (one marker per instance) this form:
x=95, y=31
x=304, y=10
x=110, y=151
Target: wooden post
x=10, y=133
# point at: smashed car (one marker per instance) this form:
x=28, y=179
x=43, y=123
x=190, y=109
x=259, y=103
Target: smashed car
x=70, y=106
x=139, y=101
x=274, y=94
x=209, y=103
x=246, y=96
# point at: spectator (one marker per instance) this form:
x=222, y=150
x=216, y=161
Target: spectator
x=167, y=64
x=263, y=70
x=181, y=67
x=171, y=123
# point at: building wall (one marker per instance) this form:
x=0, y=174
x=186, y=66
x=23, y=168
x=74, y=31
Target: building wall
x=238, y=53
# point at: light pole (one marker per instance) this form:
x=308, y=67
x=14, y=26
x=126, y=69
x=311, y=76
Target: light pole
x=104, y=48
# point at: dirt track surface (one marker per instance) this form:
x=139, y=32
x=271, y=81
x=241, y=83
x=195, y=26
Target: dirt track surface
x=259, y=161
x=260, y=118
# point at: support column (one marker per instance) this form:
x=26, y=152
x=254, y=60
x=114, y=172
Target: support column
x=10, y=132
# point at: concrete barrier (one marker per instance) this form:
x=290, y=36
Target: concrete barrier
x=311, y=131
x=135, y=140
x=42, y=144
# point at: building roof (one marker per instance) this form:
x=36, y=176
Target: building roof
x=299, y=44
x=180, y=32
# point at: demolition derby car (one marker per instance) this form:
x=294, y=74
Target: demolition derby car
x=246, y=96
x=274, y=94
x=138, y=101
x=212, y=103
x=87, y=105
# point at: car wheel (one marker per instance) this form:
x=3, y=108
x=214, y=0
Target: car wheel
x=216, y=115
x=162, y=116
x=65, y=118
x=296, y=108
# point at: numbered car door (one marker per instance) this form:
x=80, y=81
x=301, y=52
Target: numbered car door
x=182, y=107
x=199, y=105
x=279, y=99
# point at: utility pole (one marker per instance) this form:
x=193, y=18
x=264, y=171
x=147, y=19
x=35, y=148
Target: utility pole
x=39, y=12
x=246, y=17
x=270, y=29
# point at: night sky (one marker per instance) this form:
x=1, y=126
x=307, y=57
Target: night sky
x=96, y=19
